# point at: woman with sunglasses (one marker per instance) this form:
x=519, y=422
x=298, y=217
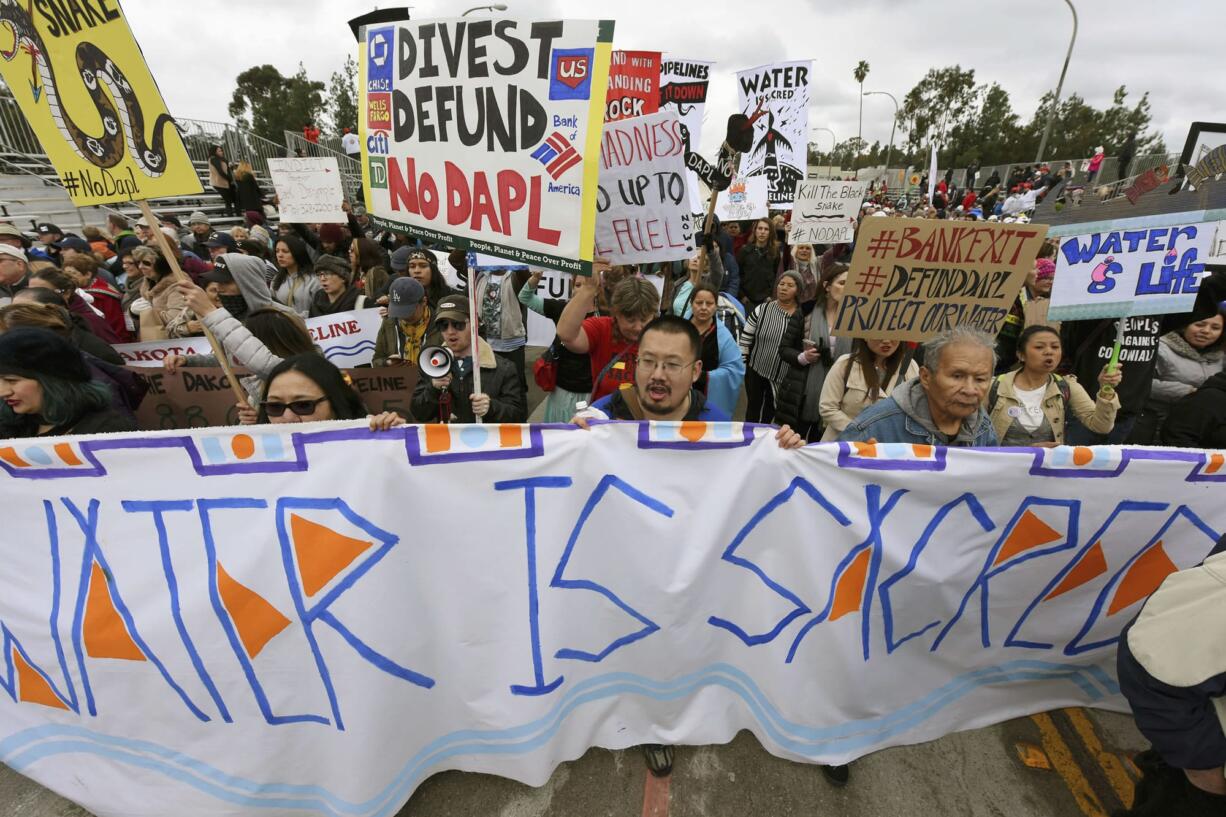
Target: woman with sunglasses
x=307, y=389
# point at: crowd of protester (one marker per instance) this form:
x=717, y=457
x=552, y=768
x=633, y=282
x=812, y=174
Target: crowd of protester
x=742, y=328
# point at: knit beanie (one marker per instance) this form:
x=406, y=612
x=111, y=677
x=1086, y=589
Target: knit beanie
x=34, y=353
x=1044, y=268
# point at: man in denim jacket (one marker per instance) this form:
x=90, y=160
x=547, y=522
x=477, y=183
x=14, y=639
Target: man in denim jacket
x=945, y=405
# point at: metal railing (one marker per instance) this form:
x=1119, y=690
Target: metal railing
x=10, y=166
x=351, y=169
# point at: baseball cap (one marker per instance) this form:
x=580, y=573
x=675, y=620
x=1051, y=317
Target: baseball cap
x=222, y=240
x=48, y=227
x=453, y=307
x=9, y=231
x=142, y=222
x=220, y=273
x=403, y=297
x=73, y=242
x=12, y=252
x=400, y=258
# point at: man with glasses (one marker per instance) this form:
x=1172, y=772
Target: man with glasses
x=13, y=271
x=450, y=398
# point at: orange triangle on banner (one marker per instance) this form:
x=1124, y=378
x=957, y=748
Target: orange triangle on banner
x=106, y=635
x=256, y=620
x=1091, y=566
x=33, y=687
x=1029, y=532
x=849, y=592
x=1143, y=578
x=322, y=552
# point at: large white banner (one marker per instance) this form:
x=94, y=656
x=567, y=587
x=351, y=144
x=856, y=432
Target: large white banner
x=683, y=88
x=1136, y=266
x=643, y=212
x=781, y=138
x=484, y=134
x=347, y=339
x=311, y=620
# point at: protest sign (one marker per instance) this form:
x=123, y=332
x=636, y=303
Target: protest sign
x=347, y=339
x=634, y=84
x=1217, y=248
x=825, y=212
x=683, y=88
x=90, y=99
x=216, y=618
x=781, y=138
x=308, y=190
x=913, y=278
x=199, y=397
x=643, y=212
x=1132, y=267
x=484, y=134
x=744, y=199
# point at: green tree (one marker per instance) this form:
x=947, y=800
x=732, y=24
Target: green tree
x=990, y=133
x=861, y=73
x=342, y=93
x=940, y=102
x=269, y=104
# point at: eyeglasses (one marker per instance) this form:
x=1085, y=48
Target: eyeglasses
x=302, y=408
x=145, y=263
x=459, y=326
x=670, y=367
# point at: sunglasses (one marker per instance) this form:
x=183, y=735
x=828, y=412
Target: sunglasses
x=300, y=407
x=445, y=324
x=145, y=263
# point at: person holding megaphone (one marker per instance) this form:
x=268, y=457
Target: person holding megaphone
x=444, y=393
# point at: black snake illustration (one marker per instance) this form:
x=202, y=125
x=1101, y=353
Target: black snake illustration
x=120, y=126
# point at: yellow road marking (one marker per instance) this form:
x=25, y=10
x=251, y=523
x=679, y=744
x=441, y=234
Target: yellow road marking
x=1062, y=760
x=1117, y=776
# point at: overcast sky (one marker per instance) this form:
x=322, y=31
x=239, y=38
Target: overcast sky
x=1172, y=49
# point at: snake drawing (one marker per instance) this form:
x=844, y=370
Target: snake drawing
x=121, y=126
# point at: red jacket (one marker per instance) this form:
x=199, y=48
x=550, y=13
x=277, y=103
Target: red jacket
x=109, y=301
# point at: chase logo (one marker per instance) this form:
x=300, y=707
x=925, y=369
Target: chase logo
x=379, y=44
x=378, y=172
x=571, y=73
x=377, y=143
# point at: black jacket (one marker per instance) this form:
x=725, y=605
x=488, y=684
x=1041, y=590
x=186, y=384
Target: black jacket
x=791, y=394
x=499, y=379
x=757, y=274
x=320, y=305
x=93, y=422
x=248, y=194
x=1198, y=420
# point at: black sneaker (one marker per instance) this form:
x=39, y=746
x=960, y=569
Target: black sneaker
x=659, y=758
x=837, y=775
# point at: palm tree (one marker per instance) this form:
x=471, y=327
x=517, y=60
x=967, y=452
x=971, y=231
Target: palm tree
x=861, y=73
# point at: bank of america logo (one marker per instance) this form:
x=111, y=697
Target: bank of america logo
x=557, y=154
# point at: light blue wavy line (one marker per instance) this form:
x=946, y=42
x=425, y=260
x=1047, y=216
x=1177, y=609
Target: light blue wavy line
x=360, y=344
x=844, y=736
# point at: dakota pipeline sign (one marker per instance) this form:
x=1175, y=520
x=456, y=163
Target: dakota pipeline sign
x=242, y=622
x=485, y=133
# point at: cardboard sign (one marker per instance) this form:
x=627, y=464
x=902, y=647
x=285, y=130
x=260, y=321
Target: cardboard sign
x=485, y=135
x=201, y=397
x=82, y=83
x=781, y=138
x=744, y=199
x=1135, y=268
x=347, y=339
x=826, y=212
x=643, y=212
x=216, y=619
x=913, y=278
x=634, y=85
x=308, y=190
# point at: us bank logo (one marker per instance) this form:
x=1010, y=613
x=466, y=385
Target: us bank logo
x=570, y=75
x=379, y=50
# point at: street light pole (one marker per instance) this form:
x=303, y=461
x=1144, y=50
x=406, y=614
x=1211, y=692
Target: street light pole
x=890, y=150
x=833, y=142
x=1051, y=117
x=495, y=7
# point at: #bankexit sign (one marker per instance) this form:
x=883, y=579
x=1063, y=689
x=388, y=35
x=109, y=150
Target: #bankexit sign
x=484, y=134
x=226, y=622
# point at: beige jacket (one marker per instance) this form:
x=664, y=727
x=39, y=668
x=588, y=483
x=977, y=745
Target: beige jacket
x=1097, y=416
x=845, y=394
x=169, y=315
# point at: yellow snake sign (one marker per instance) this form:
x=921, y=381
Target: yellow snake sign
x=81, y=81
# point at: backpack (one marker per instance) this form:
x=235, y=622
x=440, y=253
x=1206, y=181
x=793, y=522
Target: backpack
x=1061, y=384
